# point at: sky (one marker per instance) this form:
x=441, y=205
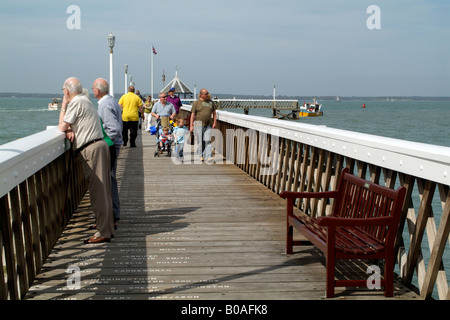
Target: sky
x=303, y=48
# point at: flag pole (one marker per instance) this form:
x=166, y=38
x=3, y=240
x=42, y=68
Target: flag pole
x=152, y=73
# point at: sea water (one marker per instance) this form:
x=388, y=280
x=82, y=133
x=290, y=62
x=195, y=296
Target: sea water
x=21, y=117
x=414, y=120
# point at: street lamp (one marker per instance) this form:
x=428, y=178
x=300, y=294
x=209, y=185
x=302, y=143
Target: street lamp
x=111, y=41
x=126, y=78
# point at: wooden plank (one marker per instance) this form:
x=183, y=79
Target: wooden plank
x=438, y=247
x=4, y=207
x=416, y=240
x=8, y=247
x=28, y=233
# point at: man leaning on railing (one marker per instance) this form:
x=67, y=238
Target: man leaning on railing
x=81, y=123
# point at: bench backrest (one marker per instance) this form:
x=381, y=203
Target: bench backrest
x=359, y=198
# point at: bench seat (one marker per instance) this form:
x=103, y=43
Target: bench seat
x=363, y=224
x=349, y=240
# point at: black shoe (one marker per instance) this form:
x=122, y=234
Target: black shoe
x=124, y=144
x=133, y=145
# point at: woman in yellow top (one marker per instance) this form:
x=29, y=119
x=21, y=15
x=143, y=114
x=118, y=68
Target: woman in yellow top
x=147, y=113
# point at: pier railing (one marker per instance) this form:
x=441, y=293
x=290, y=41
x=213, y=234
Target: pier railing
x=289, y=155
x=277, y=105
x=41, y=185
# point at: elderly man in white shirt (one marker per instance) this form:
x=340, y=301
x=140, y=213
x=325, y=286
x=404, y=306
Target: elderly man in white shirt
x=81, y=123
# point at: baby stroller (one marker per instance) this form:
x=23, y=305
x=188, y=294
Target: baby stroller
x=161, y=123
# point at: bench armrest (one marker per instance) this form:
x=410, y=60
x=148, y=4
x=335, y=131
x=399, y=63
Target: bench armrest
x=338, y=221
x=300, y=195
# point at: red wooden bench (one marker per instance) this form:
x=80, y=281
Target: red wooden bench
x=363, y=225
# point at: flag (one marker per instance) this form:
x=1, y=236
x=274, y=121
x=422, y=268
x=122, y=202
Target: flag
x=154, y=51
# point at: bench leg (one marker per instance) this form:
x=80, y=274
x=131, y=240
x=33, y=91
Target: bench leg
x=331, y=262
x=330, y=276
x=289, y=239
x=388, y=277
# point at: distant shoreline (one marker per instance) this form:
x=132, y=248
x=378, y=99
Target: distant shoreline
x=281, y=97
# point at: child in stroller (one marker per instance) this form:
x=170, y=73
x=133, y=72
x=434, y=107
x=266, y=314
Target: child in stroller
x=163, y=137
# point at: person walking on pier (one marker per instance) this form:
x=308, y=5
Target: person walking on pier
x=175, y=100
x=131, y=106
x=203, y=110
x=111, y=115
x=163, y=108
x=81, y=123
x=148, y=113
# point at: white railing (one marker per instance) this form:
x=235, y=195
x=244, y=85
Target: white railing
x=22, y=158
x=426, y=161
x=252, y=103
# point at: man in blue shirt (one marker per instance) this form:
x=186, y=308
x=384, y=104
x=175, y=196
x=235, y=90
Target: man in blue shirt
x=111, y=114
x=163, y=108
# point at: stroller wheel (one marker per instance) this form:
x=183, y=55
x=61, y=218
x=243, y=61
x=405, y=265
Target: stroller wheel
x=156, y=153
x=169, y=152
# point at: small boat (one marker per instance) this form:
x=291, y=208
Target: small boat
x=55, y=104
x=309, y=109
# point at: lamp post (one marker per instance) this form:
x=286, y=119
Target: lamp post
x=111, y=41
x=126, y=78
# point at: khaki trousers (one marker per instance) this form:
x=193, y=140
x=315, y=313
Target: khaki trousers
x=96, y=168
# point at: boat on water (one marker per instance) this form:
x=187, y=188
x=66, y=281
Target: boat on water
x=55, y=104
x=311, y=109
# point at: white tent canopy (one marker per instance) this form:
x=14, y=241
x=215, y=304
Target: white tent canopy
x=180, y=87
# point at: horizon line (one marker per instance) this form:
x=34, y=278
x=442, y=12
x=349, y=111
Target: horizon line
x=2, y=94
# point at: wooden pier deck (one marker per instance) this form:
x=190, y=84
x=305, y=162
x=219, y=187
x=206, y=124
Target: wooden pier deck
x=188, y=232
